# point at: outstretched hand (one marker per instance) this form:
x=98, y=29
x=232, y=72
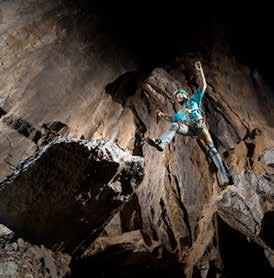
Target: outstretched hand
x=198, y=66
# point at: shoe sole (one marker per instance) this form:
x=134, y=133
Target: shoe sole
x=152, y=143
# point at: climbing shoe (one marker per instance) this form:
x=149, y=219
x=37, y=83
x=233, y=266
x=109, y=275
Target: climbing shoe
x=157, y=143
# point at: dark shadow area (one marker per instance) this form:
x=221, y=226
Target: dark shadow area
x=156, y=32
x=2, y=112
x=248, y=34
x=240, y=257
x=267, y=232
x=118, y=262
x=123, y=87
x=153, y=31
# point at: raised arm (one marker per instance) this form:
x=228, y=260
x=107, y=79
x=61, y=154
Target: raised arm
x=199, y=68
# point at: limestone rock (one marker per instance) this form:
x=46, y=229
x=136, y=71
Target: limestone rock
x=244, y=204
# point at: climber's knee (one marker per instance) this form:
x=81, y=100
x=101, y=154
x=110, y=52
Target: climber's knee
x=206, y=136
x=174, y=126
x=183, y=129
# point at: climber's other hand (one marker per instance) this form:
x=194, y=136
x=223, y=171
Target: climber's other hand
x=160, y=114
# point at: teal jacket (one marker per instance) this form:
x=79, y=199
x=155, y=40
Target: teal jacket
x=190, y=110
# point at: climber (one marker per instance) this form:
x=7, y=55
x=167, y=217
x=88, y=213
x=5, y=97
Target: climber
x=189, y=121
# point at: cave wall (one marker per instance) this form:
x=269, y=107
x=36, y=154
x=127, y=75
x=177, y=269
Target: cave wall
x=59, y=66
x=55, y=65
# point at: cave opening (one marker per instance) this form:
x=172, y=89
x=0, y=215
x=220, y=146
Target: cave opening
x=240, y=257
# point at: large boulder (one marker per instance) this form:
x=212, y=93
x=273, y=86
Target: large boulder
x=68, y=190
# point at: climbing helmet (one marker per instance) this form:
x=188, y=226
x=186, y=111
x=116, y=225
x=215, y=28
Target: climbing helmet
x=181, y=91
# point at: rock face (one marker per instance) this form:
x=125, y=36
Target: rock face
x=34, y=53
x=62, y=76
x=21, y=259
x=71, y=188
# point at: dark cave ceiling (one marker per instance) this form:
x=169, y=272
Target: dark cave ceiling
x=158, y=31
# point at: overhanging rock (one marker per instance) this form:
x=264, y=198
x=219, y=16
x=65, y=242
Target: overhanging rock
x=67, y=191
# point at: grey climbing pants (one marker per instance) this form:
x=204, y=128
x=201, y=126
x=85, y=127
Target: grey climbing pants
x=200, y=130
